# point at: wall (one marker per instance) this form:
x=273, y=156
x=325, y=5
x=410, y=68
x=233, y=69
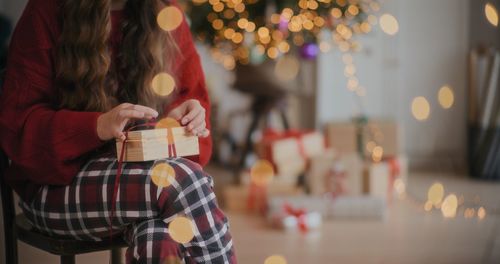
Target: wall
x=429, y=51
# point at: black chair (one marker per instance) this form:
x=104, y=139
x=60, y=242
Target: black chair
x=17, y=227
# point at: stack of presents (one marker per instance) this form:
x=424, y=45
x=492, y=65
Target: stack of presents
x=348, y=172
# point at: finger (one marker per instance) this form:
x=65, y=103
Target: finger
x=175, y=114
x=148, y=111
x=191, y=115
x=199, y=129
x=120, y=136
x=205, y=133
x=126, y=113
x=198, y=121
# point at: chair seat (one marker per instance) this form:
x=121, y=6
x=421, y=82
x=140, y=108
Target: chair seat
x=27, y=233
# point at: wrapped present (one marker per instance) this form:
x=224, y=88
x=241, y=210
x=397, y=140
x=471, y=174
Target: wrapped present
x=289, y=151
x=293, y=213
x=377, y=180
x=379, y=177
x=335, y=174
x=254, y=198
x=357, y=207
x=293, y=219
x=153, y=144
x=382, y=133
x=342, y=137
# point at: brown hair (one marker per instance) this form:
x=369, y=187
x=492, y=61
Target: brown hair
x=88, y=82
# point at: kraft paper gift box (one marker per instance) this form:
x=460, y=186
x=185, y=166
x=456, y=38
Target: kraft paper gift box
x=250, y=198
x=342, y=137
x=322, y=166
x=153, y=144
x=386, y=134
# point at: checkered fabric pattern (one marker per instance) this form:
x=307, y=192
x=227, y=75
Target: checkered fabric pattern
x=143, y=212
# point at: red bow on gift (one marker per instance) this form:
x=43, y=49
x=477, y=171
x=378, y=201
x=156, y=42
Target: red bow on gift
x=299, y=214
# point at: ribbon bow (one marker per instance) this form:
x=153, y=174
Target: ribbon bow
x=299, y=214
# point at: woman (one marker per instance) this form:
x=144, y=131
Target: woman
x=78, y=73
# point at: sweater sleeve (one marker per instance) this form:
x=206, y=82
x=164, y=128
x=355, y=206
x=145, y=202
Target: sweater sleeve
x=39, y=138
x=191, y=85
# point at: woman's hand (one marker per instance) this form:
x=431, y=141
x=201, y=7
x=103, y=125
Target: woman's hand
x=111, y=124
x=192, y=115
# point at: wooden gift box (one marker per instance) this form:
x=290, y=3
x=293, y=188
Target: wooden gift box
x=153, y=144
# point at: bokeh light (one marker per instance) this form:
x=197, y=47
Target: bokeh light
x=428, y=206
x=287, y=68
x=169, y=18
x=162, y=175
x=167, y=122
x=446, y=97
x=420, y=108
x=449, y=206
x=181, y=229
x=275, y=259
x=435, y=194
x=163, y=84
x=262, y=172
x=377, y=153
x=491, y=14
x=399, y=186
x=481, y=213
x=389, y=24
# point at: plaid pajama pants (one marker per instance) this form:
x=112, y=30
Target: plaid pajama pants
x=143, y=211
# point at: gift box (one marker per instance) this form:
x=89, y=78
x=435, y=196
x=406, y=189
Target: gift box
x=383, y=133
x=359, y=207
x=335, y=174
x=302, y=213
x=153, y=144
x=289, y=151
x=252, y=198
x=342, y=137
x=377, y=180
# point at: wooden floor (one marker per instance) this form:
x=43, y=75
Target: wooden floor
x=409, y=235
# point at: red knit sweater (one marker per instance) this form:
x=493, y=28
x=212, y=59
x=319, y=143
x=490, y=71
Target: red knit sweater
x=47, y=145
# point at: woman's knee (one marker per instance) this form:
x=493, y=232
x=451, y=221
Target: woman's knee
x=152, y=234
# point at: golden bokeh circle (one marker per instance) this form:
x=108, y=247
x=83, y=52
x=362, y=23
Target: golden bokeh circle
x=162, y=175
x=481, y=213
x=449, y=206
x=435, y=194
x=167, y=122
x=262, y=172
x=181, y=229
x=169, y=18
x=420, y=108
x=275, y=259
x=389, y=24
x=446, y=97
x=287, y=68
x=491, y=14
x=163, y=84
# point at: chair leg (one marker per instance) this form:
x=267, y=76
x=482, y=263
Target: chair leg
x=68, y=259
x=116, y=256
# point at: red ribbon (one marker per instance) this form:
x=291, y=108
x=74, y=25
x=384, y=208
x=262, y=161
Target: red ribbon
x=257, y=198
x=299, y=214
x=394, y=171
x=119, y=170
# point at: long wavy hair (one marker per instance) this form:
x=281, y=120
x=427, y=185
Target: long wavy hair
x=88, y=80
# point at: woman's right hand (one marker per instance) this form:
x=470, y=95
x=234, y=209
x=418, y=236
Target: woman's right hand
x=111, y=124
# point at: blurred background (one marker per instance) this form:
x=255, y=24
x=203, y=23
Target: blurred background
x=349, y=131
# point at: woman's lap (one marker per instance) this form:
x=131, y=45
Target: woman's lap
x=82, y=209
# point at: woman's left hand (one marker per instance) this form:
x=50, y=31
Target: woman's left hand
x=192, y=115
